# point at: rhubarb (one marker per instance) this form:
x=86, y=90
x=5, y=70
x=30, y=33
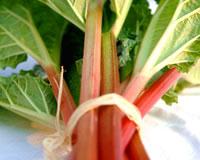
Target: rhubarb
x=109, y=118
x=86, y=148
x=150, y=96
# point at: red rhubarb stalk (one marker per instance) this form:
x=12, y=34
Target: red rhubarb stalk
x=146, y=101
x=134, y=87
x=157, y=90
x=86, y=146
x=125, y=157
x=109, y=117
x=136, y=149
x=67, y=105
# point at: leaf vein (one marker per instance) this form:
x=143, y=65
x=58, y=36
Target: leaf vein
x=18, y=17
x=27, y=98
x=43, y=98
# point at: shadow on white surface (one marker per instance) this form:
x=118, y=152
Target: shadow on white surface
x=173, y=132
x=14, y=131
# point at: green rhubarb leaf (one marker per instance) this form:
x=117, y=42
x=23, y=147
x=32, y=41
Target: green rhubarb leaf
x=125, y=48
x=118, y=10
x=172, y=37
x=116, y=5
x=181, y=85
x=157, y=26
x=73, y=10
x=158, y=1
x=121, y=8
x=11, y=59
x=109, y=17
x=126, y=51
x=193, y=76
x=10, y=53
x=137, y=20
x=28, y=27
x=187, y=58
x=170, y=97
x=29, y=97
x=51, y=28
x=131, y=35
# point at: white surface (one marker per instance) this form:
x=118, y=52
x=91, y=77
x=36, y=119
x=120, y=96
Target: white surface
x=173, y=133
x=13, y=138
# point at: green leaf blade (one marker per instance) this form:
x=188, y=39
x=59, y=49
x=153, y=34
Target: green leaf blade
x=34, y=28
x=178, y=41
x=193, y=76
x=132, y=32
x=11, y=54
x=21, y=30
x=73, y=11
x=28, y=96
x=121, y=8
x=170, y=97
x=51, y=28
x=156, y=29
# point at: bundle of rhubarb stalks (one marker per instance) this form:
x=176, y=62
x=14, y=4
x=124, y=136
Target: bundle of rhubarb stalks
x=128, y=60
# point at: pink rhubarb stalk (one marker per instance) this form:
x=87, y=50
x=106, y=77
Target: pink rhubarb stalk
x=134, y=87
x=67, y=103
x=86, y=145
x=136, y=149
x=146, y=101
x=109, y=117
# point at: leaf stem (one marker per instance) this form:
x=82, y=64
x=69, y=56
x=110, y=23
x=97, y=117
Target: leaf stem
x=136, y=149
x=67, y=103
x=149, y=97
x=135, y=86
x=86, y=148
x=121, y=17
x=109, y=117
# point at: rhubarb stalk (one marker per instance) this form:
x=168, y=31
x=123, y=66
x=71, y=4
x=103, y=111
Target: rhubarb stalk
x=86, y=146
x=67, y=105
x=134, y=87
x=136, y=149
x=146, y=101
x=109, y=117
